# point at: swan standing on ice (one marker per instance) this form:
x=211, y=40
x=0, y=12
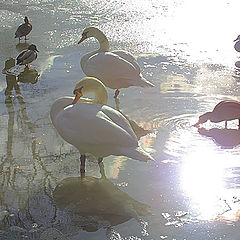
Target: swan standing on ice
x=93, y=127
x=116, y=69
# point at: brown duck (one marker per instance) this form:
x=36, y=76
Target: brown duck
x=224, y=111
x=24, y=29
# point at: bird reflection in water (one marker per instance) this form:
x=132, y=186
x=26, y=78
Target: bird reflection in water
x=28, y=76
x=226, y=138
x=22, y=46
x=12, y=84
x=95, y=203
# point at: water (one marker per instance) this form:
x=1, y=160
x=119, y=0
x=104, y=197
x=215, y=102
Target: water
x=186, y=49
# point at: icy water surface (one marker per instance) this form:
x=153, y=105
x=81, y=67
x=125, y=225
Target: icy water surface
x=192, y=190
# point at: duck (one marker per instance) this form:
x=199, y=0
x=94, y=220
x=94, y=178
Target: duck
x=27, y=56
x=226, y=110
x=237, y=44
x=116, y=69
x=94, y=127
x=24, y=29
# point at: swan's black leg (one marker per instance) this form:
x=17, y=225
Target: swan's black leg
x=238, y=123
x=225, y=124
x=82, y=163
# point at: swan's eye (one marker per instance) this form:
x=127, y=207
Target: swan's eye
x=79, y=90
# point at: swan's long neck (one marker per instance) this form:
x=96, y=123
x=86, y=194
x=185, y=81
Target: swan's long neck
x=59, y=105
x=95, y=86
x=102, y=39
x=100, y=96
x=104, y=46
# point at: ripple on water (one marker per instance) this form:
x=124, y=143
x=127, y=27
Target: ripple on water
x=208, y=159
x=184, y=139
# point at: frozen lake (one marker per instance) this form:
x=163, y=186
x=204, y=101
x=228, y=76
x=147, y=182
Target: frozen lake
x=185, y=48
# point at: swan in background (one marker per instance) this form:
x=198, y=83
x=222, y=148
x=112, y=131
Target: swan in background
x=93, y=127
x=27, y=56
x=224, y=111
x=116, y=69
x=24, y=29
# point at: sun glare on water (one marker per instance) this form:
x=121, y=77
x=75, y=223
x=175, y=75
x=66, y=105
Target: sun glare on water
x=203, y=179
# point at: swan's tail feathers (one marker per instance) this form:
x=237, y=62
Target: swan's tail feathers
x=145, y=83
x=137, y=153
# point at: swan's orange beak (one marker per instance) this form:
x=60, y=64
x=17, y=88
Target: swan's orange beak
x=77, y=97
x=83, y=38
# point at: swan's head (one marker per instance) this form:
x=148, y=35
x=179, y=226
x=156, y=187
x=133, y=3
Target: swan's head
x=90, y=85
x=90, y=32
x=203, y=118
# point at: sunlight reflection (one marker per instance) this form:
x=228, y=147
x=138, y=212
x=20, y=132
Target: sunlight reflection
x=203, y=179
x=209, y=173
x=114, y=169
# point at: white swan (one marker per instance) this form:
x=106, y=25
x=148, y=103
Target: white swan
x=116, y=69
x=93, y=127
x=237, y=44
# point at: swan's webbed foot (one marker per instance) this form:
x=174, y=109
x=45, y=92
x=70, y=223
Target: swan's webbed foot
x=82, y=163
x=116, y=93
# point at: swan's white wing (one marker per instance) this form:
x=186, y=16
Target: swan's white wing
x=112, y=70
x=86, y=123
x=118, y=118
x=129, y=57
